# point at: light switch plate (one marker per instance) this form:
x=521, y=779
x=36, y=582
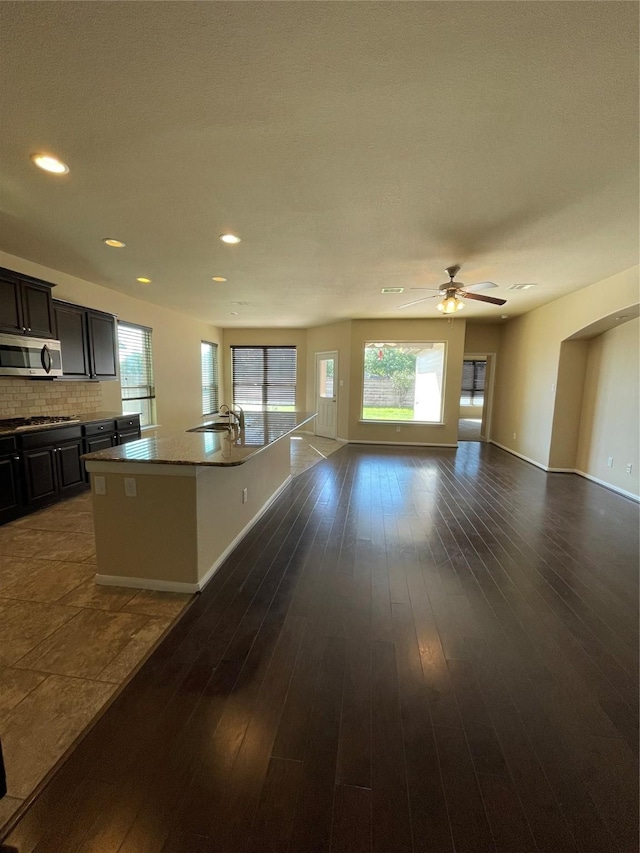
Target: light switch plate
x=130, y=487
x=99, y=485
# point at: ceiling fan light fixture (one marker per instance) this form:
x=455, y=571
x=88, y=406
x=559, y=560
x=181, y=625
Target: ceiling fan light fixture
x=450, y=305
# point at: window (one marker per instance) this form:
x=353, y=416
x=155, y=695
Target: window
x=136, y=372
x=264, y=378
x=473, y=373
x=403, y=382
x=209, y=361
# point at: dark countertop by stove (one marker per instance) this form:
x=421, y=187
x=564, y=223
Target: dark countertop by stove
x=77, y=421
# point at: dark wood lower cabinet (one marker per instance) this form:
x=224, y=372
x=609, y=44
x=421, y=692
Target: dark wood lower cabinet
x=129, y=435
x=40, y=474
x=10, y=488
x=52, y=471
x=41, y=467
x=70, y=468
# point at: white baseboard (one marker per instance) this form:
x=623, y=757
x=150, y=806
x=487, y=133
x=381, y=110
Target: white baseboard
x=520, y=455
x=617, y=489
x=178, y=586
x=146, y=583
x=593, y=479
x=220, y=560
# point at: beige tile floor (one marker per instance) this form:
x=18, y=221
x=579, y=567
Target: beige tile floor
x=307, y=450
x=65, y=644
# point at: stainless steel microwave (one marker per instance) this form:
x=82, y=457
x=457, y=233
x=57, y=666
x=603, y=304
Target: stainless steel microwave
x=21, y=356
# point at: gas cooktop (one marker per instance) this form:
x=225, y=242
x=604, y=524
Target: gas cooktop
x=20, y=424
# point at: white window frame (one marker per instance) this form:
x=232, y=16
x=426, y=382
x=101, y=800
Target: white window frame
x=212, y=391
x=414, y=421
x=146, y=407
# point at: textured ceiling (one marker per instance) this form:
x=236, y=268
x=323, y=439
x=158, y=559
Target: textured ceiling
x=352, y=146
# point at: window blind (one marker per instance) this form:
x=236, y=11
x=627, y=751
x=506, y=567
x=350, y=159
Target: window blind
x=136, y=371
x=473, y=377
x=264, y=378
x=209, y=359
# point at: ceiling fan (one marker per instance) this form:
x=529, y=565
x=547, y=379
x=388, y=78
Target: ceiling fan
x=451, y=293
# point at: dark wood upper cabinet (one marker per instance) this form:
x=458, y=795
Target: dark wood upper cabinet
x=88, y=342
x=25, y=306
x=73, y=336
x=103, y=356
x=10, y=305
x=37, y=310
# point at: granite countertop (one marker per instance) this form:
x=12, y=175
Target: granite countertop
x=77, y=421
x=217, y=449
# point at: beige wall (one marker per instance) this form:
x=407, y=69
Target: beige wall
x=335, y=337
x=567, y=414
x=609, y=416
x=176, y=343
x=525, y=399
x=453, y=334
x=267, y=338
x=481, y=338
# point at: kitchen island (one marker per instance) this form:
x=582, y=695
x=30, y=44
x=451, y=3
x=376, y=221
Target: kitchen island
x=169, y=510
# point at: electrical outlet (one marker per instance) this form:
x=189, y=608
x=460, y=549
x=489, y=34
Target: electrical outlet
x=100, y=485
x=610, y=462
x=130, y=487
x=629, y=468
x=245, y=495
x=514, y=436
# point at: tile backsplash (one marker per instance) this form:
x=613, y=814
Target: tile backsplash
x=32, y=397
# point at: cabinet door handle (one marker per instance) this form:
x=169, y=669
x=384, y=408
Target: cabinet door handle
x=101, y=427
x=16, y=458
x=29, y=329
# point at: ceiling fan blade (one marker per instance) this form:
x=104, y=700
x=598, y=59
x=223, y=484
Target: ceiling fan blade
x=481, y=298
x=415, y=301
x=481, y=285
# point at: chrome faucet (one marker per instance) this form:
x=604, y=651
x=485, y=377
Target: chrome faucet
x=235, y=414
x=238, y=412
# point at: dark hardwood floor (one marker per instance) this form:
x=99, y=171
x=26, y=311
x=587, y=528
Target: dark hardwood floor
x=413, y=650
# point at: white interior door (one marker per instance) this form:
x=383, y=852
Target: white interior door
x=327, y=394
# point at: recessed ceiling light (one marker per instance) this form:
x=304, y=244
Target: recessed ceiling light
x=504, y=316
x=50, y=164
x=240, y=303
x=218, y=278
x=229, y=238
x=521, y=286
x=143, y=280
x=392, y=290
x=115, y=244
x=233, y=313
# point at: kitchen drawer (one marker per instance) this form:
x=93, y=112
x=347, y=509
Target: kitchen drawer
x=98, y=428
x=8, y=445
x=49, y=437
x=128, y=422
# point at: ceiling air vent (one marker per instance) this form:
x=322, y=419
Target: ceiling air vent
x=521, y=286
x=392, y=290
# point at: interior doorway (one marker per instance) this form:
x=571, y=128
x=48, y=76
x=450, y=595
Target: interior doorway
x=327, y=394
x=474, y=420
